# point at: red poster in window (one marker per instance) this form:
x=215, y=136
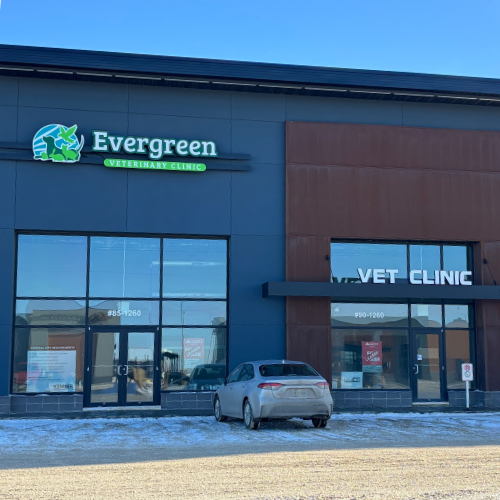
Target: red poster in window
x=194, y=352
x=371, y=353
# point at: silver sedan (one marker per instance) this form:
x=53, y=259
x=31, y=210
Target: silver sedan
x=273, y=390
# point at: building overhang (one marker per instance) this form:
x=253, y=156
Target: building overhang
x=372, y=292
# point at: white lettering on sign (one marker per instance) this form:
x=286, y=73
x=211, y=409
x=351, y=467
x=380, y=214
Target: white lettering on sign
x=417, y=277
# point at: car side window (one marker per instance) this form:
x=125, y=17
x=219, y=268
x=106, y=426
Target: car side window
x=234, y=376
x=246, y=374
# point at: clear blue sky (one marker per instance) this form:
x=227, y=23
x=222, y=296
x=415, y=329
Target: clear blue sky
x=458, y=37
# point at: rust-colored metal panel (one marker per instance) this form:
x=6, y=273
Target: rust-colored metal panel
x=350, y=181
x=391, y=146
x=491, y=350
x=383, y=203
x=311, y=344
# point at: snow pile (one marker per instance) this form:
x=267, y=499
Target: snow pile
x=181, y=432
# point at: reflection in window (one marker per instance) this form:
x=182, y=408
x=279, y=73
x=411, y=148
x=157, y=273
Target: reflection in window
x=425, y=258
x=456, y=316
x=124, y=267
x=182, y=312
x=104, y=370
x=124, y=312
x=379, y=315
x=48, y=360
x=346, y=258
x=455, y=258
x=50, y=312
x=458, y=351
x=194, y=268
x=192, y=358
x=370, y=359
x=426, y=315
x=51, y=266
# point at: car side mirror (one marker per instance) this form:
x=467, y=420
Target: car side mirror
x=221, y=381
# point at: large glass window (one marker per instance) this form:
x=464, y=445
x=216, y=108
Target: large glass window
x=194, y=268
x=457, y=316
x=370, y=359
x=455, y=258
x=379, y=315
x=346, y=258
x=372, y=338
x=50, y=312
x=62, y=293
x=425, y=258
x=427, y=315
x=51, y=266
x=193, y=358
x=124, y=267
x=194, y=313
x=194, y=333
x=48, y=360
x=124, y=312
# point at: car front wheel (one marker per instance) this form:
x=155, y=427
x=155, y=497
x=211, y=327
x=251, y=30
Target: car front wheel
x=218, y=411
x=250, y=423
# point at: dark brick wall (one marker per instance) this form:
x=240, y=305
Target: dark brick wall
x=199, y=403
x=45, y=403
x=371, y=399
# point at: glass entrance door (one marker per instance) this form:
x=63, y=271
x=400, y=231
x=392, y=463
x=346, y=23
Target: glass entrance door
x=123, y=368
x=427, y=366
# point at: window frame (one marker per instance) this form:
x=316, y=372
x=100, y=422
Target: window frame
x=87, y=298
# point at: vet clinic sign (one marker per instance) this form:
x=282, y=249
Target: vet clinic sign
x=417, y=277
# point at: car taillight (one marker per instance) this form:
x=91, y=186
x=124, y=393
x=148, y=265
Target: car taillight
x=323, y=385
x=269, y=386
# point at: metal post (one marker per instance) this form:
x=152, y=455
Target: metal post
x=467, y=393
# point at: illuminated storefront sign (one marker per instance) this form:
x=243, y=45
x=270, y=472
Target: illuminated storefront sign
x=60, y=144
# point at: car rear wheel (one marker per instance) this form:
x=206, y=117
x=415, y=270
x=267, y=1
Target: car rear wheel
x=250, y=423
x=319, y=422
x=218, y=411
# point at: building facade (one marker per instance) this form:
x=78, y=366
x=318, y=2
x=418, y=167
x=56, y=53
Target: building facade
x=165, y=219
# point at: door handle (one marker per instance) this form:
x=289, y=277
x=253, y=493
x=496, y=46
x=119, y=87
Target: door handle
x=416, y=366
x=126, y=370
x=119, y=369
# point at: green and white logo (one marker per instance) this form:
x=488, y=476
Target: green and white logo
x=57, y=143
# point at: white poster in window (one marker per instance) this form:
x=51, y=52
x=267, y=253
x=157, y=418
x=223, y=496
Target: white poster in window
x=351, y=380
x=194, y=352
x=51, y=371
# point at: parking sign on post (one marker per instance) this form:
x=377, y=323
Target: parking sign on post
x=467, y=376
x=467, y=372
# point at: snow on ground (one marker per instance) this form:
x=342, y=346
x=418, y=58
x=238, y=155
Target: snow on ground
x=384, y=430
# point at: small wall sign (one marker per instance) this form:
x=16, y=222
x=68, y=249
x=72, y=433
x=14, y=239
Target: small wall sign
x=467, y=372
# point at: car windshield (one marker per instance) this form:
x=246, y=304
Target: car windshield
x=208, y=372
x=287, y=370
